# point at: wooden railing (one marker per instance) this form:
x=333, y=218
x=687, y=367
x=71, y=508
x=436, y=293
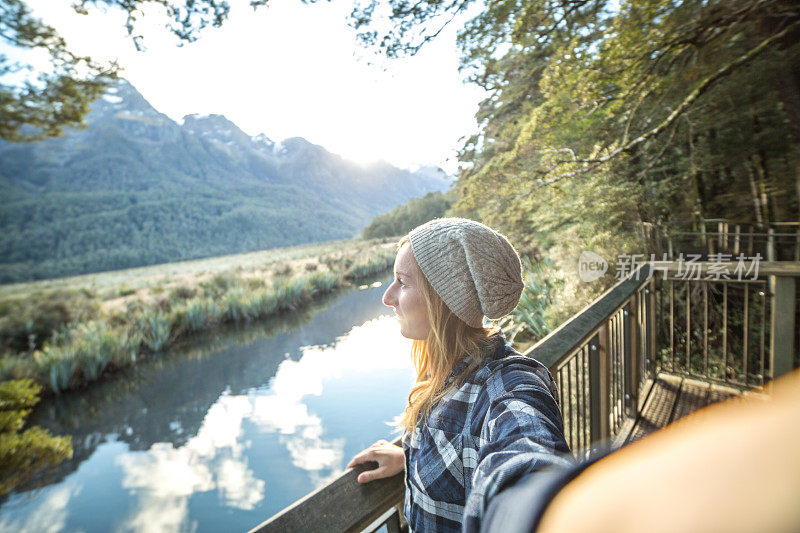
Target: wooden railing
x=343, y=505
x=603, y=360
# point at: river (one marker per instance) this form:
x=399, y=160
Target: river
x=221, y=435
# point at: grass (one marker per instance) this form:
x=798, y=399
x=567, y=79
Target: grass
x=64, y=335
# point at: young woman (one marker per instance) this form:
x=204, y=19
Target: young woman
x=480, y=414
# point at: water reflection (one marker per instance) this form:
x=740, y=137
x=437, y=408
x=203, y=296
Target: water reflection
x=163, y=478
x=210, y=441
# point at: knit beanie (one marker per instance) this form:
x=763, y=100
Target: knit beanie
x=472, y=268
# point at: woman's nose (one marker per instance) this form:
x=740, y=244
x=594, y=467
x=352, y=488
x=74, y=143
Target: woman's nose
x=388, y=296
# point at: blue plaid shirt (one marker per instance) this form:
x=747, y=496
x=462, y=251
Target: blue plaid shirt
x=503, y=422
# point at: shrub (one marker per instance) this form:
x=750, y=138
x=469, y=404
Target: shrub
x=181, y=293
x=530, y=321
x=282, y=270
x=26, y=324
x=23, y=454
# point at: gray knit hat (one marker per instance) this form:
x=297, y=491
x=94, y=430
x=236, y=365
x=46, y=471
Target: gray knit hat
x=473, y=268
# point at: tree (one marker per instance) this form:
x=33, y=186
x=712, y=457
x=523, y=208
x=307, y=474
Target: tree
x=603, y=115
x=32, y=109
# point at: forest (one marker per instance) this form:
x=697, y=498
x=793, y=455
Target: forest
x=603, y=117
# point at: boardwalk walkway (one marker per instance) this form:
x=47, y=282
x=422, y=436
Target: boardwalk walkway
x=670, y=398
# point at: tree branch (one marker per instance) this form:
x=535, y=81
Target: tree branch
x=701, y=89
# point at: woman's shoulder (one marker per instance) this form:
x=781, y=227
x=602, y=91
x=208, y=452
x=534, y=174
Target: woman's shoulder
x=508, y=370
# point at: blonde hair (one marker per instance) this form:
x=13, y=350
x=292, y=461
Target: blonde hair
x=449, y=341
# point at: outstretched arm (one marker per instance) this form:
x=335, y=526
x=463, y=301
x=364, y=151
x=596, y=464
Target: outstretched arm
x=522, y=432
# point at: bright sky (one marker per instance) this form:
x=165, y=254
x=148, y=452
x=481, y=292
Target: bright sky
x=292, y=70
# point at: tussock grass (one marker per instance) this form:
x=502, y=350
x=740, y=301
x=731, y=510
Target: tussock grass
x=74, y=349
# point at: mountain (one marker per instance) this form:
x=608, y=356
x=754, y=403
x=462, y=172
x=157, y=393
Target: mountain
x=136, y=188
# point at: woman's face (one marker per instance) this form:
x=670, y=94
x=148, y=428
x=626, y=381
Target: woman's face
x=405, y=296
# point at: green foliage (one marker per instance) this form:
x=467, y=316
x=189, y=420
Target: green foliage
x=24, y=453
x=404, y=218
x=32, y=110
x=530, y=321
x=26, y=323
x=370, y=265
x=81, y=352
x=154, y=326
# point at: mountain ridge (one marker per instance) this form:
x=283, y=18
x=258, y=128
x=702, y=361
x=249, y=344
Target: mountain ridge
x=135, y=188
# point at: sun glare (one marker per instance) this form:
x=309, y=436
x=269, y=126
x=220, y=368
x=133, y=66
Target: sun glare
x=292, y=70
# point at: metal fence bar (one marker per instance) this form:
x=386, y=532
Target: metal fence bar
x=705, y=325
x=770, y=244
x=564, y=406
x=725, y=330
x=763, y=330
x=688, y=339
x=672, y=324
x=652, y=325
x=581, y=387
x=745, y=336
x=619, y=378
x=571, y=409
x=586, y=404
x=598, y=385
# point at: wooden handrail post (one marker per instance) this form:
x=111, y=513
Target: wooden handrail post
x=600, y=380
x=782, y=289
x=736, y=239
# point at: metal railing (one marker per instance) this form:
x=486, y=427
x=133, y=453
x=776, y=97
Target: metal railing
x=777, y=241
x=603, y=359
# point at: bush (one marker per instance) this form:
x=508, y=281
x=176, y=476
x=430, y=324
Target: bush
x=23, y=454
x=182, y=292
x=530, y=320
x=26, y=324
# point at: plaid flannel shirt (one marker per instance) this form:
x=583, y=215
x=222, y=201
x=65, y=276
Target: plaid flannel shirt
x=503, y=422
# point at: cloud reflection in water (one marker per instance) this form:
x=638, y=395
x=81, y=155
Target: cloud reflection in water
x=164, y=478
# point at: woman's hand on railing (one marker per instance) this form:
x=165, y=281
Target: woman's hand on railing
x=389, y=457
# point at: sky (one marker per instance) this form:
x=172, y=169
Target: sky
x=292, y=70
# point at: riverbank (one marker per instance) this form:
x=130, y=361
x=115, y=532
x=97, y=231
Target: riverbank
x=64, y=334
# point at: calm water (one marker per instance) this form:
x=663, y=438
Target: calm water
x=220, y=437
